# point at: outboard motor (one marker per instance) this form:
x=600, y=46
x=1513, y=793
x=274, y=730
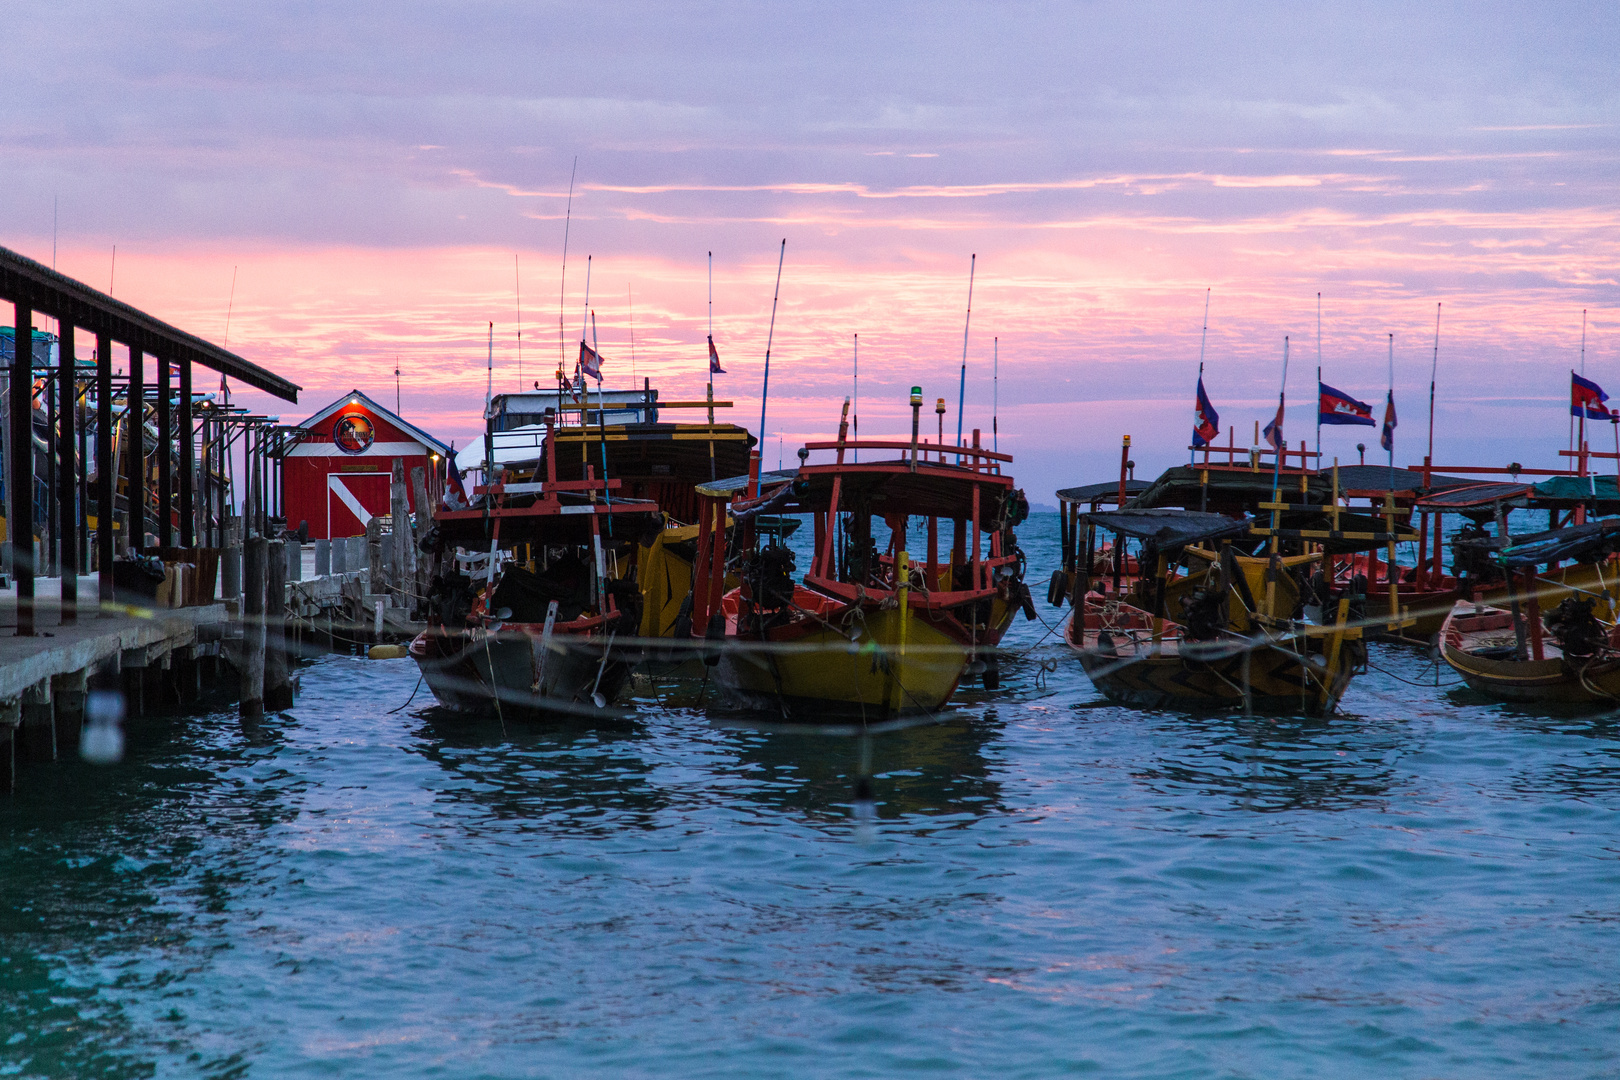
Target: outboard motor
x=1578, y=632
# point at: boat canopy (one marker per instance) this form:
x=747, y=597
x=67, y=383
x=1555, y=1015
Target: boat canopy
x=1098, y=493
x=1474, y=497
x=1384, y=478
x=1591, y=542
x=1230, y=491
x=1575, y=489
x=1169, y=528
x=890, y=487
x=736, y=485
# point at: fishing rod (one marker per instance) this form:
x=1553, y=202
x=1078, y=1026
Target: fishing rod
x=1434, y=368
x=770, y=336
x=1192, y=453
x=1318, y=379
x=857, y=395
x=517, y=291
x=961, y=389
x=568, y=219
x=995, y=394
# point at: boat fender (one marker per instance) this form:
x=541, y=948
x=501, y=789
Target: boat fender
x=1058, y=589
x=388, y=652
x=683, y=620
x=1026, y=601
x=715, y=633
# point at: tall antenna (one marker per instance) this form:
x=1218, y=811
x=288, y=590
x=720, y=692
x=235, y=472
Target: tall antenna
x=568, y=219
x=1202, y=341
x=584, y=322
x=517, y=289
x=1318, y=380
x=857, y=365
x=995, y=394
x=489, y=386
x=1392, y=398
x=229, y=305
x=765, y=387
x=961, y=388
x=397, y=411
x=55, y=203
x=1583, y=341
x=631, y=293
x=711, y=336
x=1434, y=368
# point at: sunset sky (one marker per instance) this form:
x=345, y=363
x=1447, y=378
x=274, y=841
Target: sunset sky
x=370, y=172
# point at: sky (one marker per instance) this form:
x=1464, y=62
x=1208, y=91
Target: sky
x=355, y=186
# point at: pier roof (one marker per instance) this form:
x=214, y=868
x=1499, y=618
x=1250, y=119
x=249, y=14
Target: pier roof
x=43, y=289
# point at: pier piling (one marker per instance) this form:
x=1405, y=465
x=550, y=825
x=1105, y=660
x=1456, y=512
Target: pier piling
x=255, y=555
x=278, y=693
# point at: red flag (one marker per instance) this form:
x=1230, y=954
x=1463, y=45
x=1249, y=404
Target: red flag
x=714, y=359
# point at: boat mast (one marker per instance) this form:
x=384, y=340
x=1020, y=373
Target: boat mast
x=1192, y=454
x=770, y=336
x=1434, y=367
x=961, y=389
x=568, y=219
x=1318, y=380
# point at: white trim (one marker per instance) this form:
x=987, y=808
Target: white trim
x=381, y=449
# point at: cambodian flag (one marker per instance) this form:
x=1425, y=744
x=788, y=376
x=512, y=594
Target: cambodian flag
x=714, y=359
x=590, y=361
x=1273, y=432
x=1387, y=439
x=1337, y=407
x=1586, y=399
x=1209, y=421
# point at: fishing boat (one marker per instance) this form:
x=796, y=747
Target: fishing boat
x=1545, y=640
x=1220, y=635
x=526, y=608
x=874, y=630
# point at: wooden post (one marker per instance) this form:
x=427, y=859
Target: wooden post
x=20, y=462
x=1533, y=603
x=135, y=452
x=700, y=571
x=106, y=468
x=278, y=693
x=424, y=522
x=374, y=556
x=255, y=554
x=400, y=511
x=188, y=460
x=67, y=474
x=165, y=457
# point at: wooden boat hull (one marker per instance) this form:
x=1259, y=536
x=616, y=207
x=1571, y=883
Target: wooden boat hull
x=1552, y=679
x=1292, y=673
x=898, y=663
x=500, y=672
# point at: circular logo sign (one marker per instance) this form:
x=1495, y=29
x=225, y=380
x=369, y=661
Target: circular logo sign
x=353, y=433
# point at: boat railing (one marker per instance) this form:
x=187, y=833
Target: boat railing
x=1253, y=458
x=970, y=457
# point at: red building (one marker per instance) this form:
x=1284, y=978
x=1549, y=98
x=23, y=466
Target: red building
x=337, y=477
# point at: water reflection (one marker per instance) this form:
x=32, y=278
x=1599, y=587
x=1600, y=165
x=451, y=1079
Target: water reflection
x=929, y=771
x=1274, y=765
x=560, y=780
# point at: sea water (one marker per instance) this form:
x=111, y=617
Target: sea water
x=1425, y=885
